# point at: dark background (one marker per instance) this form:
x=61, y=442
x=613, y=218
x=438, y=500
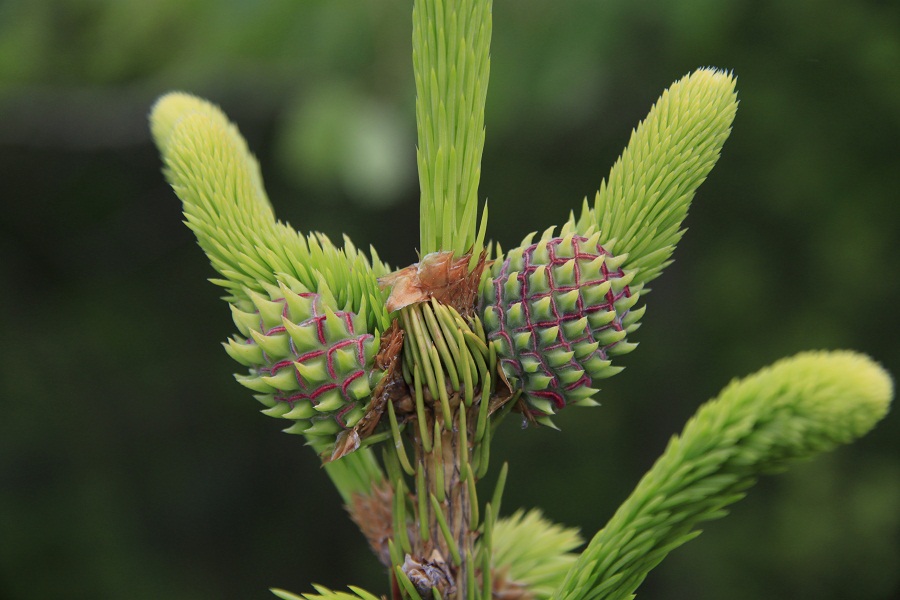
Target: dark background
x=133, y=466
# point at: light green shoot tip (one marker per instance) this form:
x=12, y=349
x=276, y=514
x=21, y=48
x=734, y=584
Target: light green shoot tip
x=785, y=413
x=451, y=62
x=648, y=192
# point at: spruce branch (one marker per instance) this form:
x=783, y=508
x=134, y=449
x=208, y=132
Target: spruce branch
x=208, y=164
x=431, y=358
x=273, y=273
x=785, y=413
x=451, y=62
x=533, y=553
x=358, y=473
x=323, y=593
x=561, y=309
x=641, y=205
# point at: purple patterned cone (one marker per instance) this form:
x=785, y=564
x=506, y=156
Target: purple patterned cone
x=557, y=311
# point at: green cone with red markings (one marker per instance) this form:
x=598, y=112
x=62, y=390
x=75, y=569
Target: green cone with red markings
x=308, y=313
x=308, y=363
x=559, y=311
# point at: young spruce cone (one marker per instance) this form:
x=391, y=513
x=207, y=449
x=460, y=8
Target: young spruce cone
x=308, y=364
x=557, y=311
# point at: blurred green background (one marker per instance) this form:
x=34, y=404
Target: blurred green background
x=133, y=466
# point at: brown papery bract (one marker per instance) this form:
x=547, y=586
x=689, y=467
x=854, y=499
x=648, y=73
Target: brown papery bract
x=438, y=275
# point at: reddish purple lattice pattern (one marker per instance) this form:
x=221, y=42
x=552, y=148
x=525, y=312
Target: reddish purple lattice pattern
x=338, y=380
x=556, y=392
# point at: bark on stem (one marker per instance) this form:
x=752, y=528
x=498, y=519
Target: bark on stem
x=435, y=564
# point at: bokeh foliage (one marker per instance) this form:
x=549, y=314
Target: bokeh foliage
x=131, y=464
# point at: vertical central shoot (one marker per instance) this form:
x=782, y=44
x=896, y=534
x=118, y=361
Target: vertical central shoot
x=451, y=61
